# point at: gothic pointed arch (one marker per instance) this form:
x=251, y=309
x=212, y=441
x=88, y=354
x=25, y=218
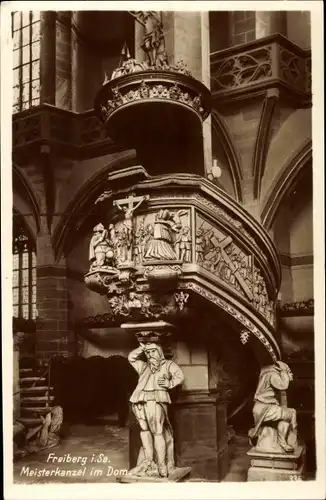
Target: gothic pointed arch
x=24, y=269
x=284, y=183
x=22, y=185
x=261, y=146
x=219, y=128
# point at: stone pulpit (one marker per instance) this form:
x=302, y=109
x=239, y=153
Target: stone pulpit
x=174, y=255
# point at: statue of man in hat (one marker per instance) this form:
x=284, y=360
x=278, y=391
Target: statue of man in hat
x=150, y=402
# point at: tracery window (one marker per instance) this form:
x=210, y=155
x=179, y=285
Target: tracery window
x=24, y=275
x=26, y=59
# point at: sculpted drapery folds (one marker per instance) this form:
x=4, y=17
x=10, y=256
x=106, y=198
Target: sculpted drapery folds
x=153, y=42
x=100, y=248
x=275, y=424
x=150, y=401
x=166, y=224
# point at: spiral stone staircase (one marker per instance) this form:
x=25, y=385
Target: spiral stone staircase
x=35, y=397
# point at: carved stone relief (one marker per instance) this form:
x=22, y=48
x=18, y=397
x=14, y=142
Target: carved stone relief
x=219, y=254
x=136, y=305
x=163, y=236
x=155, y=244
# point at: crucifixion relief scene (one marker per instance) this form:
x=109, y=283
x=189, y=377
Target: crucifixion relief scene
x=163, y=259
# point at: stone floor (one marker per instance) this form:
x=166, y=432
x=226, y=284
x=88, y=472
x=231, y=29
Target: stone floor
x=240, y=461
x=102, y=451
x=102, y=448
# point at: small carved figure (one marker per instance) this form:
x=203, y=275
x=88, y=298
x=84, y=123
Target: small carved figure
x=146, y=305
x=103, y=112
x=144, y=90
x=245, y=273
x=148, y=236
x=175, y=92
x=217, y=264
x=117, y=97
x=162, y=61
x=200, y=245
x=119, y=306
x=185, y=97
x=150, y=402
x=100, y=248
x=183, y=244
x=134, y=302
x=110, y=105
x=275, y=424
x=123, y=245
x=128, y=207
x=197, y=104
x=139, y=238
x=153, y=42
x=181, y=67
x=269, y=312
x=166, y=224
x=46, y=435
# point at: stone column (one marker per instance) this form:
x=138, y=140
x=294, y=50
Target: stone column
x=187, y=38
x=16, y=386
x=270, y=22
x=199, y=415
x=47, y=57
x=74, y=62
x=63, y=61
x=52, y=299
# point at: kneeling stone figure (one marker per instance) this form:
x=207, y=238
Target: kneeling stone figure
x=275, y=428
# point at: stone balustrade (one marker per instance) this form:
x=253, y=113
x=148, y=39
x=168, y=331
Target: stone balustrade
x=249, y=69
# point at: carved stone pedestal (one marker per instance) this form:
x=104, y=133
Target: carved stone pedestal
x=200, y=425
x=178, y=475
x=276, y=466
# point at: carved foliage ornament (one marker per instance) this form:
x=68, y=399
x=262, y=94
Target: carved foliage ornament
x=135, y=305
x=131, y=65
x=149, y=90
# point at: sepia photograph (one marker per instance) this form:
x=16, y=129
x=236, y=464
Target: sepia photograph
x=162, y=223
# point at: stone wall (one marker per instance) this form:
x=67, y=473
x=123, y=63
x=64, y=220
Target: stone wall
x=193, y=361
x=63, y=95
x=243, y=27
x=299, y=28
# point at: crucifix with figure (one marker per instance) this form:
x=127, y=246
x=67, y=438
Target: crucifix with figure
x=128, y=206
x=153, y=43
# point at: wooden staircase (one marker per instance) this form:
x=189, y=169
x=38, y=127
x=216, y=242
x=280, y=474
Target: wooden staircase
x=35, y=396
